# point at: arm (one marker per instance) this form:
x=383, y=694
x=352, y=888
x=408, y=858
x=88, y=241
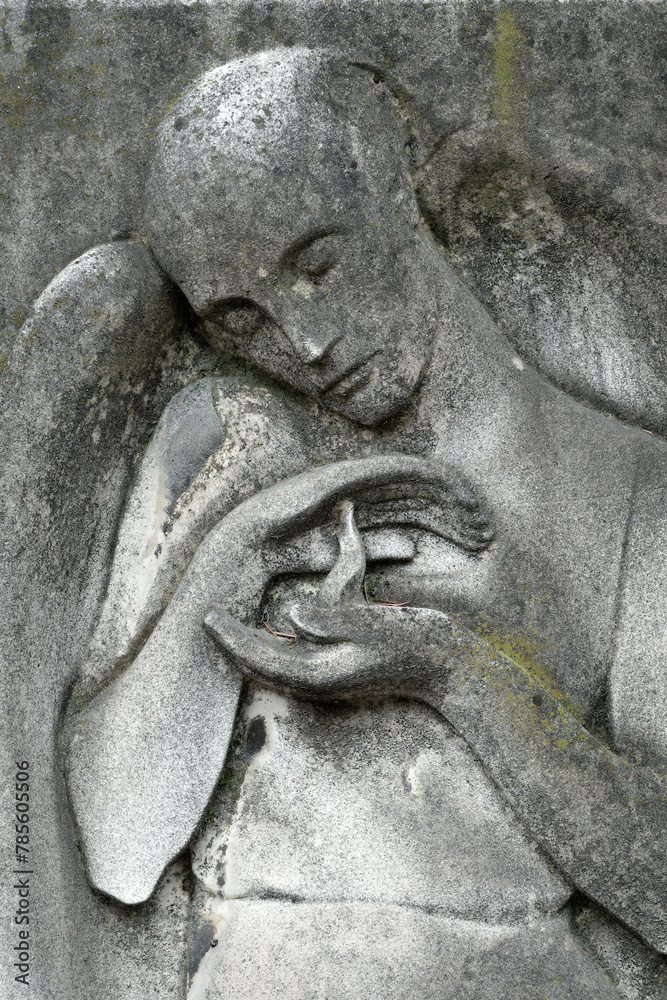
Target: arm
x=601, y=819
x=146, y=751
x=132, y=756
x=216, y=443
x=144, y=755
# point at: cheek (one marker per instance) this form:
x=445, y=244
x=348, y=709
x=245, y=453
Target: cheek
x=273, y=354
x=397, y=317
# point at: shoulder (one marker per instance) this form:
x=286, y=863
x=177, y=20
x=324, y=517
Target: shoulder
x=218, y=441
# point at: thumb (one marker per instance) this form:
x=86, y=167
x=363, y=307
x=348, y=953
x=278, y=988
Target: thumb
x=320, y=624
x=345, y=581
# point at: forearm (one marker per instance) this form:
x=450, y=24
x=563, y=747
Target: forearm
x=603, y=821
x=145, y=753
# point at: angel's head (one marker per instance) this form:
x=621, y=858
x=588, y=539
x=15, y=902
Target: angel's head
x=279, y=199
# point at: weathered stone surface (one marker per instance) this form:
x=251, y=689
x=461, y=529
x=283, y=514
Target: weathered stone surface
x=333, y=588
x=543, y=129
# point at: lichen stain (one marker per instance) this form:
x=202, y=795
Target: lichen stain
x=509, y=82
x=529, y=654
x=14, y=104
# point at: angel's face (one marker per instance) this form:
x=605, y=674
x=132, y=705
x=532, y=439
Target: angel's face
x=336, y=310
x=319, y=273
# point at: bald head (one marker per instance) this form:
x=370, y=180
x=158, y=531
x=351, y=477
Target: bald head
x=280, y=201
x=261, y=149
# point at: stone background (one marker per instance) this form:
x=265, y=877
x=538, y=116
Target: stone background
x=540, y=153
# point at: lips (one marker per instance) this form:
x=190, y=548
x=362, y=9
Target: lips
x=351, y=379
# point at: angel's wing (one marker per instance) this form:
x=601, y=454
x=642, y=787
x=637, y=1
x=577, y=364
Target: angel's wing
x=104, y=348
x=94, y=365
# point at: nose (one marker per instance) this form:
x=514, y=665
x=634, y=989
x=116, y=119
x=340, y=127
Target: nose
x=310, y=343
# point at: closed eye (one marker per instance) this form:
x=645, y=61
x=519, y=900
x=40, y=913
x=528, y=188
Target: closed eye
x=314, y=256
x=319, y=268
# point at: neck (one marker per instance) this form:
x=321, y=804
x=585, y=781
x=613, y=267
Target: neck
x=472, y=362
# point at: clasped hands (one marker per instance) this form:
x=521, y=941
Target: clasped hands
x=348, y=647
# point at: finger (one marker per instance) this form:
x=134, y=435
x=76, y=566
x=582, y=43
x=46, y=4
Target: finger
x=310, y=670
x=229, y=632
x=345, y=580
x=302, y=500
x=377, y=627
x=443, y=511
x=389, y=545
x=321, y=624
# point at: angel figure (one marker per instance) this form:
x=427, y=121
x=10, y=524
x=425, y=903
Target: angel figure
x=441, y=774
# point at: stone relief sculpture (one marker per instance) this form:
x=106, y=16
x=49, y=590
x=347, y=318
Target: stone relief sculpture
x=382, y=645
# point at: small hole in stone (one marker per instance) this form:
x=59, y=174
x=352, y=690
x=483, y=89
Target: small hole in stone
x=255, y=737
